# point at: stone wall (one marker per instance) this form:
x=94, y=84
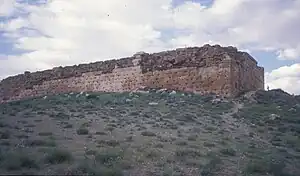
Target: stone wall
x=246, y=75
x=216, y=69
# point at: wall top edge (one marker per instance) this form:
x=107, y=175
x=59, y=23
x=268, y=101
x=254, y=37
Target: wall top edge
x=206, y=51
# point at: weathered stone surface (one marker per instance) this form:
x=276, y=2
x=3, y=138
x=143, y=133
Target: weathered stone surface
x=207, y=69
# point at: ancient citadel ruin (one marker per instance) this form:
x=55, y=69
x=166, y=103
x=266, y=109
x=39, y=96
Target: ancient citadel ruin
x=208, y=69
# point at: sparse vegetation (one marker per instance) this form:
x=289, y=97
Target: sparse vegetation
x=89, y=168
x=45, y=133
x=82, y=131
x=114, y=134
x=17, y=160
x=112, y=143
x=228, y=152
x=39, y=142
x=58, y=156
x=101, y=133
x=4, y=135
x=148, y=133
x=212, y=166
x=68, y=126
x=108, y=157
x=90, y=152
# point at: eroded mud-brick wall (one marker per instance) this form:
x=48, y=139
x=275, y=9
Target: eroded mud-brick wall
x=207, y=69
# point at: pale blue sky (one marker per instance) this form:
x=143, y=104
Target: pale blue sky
x=72, y=32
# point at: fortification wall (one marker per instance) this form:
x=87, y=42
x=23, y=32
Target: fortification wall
x=121, y=79
x=201, y=80
x=215, y=69
x=246, y=75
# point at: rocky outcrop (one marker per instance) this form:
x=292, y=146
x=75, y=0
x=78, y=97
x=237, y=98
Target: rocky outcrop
x=276, y=96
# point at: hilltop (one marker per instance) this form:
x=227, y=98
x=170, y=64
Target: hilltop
x=152, y=132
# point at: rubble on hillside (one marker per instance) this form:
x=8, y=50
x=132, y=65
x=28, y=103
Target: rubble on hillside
x=276, y=96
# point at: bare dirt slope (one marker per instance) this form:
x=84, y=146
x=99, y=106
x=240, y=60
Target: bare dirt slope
x=154, y=133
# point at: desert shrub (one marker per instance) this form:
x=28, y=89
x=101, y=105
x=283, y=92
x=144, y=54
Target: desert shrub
x=45, y=134
x=266, y=165
x=187, y=153
x=181, y=143
x=90, y=152
x=68, y=126
x=212, y=166
x=192, y=137
x=39, y=142
x=187, y=117
x=82, y=131
x=112, y=143
x=208, y=144
x=61, y=115
x=89, y=168
x=58, y=156
x=100, y=133
x=148, y=133
x=228, y=152
x=109, y=157
x=17, y=160
x=4, y=134
x=2, y=125
x=159, y=145
x=92, y=96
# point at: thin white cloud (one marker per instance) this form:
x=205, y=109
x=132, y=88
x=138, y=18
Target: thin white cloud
x=286, y=78
x=253, y=23
x=7, y=7
x=289, y=53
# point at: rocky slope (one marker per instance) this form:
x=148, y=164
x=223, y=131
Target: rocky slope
x=152, y=132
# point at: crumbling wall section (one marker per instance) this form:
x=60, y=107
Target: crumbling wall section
x=245, y=74
x=207, y=69
x=120, y=80
x=14, y=85
x=202, y=80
